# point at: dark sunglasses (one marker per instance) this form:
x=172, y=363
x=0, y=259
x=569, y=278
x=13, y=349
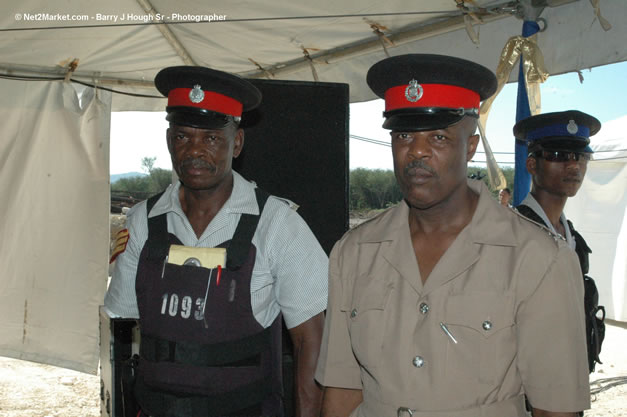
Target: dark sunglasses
x=562, y=156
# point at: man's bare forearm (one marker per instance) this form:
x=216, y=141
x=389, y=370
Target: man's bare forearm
x=306, y=338
x=340, y=402
x=536, y=412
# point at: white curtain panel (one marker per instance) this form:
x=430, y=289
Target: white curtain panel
x=599, y=213
x=54, y=221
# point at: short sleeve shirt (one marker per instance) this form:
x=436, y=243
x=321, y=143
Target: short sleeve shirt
x=290, y=274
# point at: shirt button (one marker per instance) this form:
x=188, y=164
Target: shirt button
x=424, y=308
x=418, y=362
x=354, y=313
x=487, y=325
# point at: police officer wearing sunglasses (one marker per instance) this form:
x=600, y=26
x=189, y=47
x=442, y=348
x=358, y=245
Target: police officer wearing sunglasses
x=557, y=161
x=558, y=157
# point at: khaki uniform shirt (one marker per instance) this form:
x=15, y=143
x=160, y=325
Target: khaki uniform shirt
x=500, y=315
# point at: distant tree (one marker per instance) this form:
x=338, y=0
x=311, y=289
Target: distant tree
x=358, y=185
x=482, y=174
x=372, y=189
x=148, y=163
x=131, y=184
x=144, y=186
x=160, y=179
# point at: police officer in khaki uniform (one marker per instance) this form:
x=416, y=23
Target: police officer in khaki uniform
x=446, y=305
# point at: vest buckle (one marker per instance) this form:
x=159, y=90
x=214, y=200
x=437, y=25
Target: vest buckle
x=402, y=410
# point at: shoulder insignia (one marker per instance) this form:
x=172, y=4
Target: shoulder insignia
x=121, y=240
x=290, y=203
x=542, y=226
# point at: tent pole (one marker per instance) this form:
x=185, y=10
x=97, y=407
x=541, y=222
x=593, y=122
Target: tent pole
x=168, y=35
x=17, y=70
x=361, y=47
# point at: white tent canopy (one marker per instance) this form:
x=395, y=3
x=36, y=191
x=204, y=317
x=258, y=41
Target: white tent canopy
x=270, y=39
x=599, y=213
x=54, y=149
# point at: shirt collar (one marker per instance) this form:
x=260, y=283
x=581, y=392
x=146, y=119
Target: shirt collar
x=242, y=199
x=490, y=224
x=533, y=204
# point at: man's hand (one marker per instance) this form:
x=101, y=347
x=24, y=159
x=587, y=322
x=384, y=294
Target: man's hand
x=536, y=412
x=306, y=338
x=340, y=402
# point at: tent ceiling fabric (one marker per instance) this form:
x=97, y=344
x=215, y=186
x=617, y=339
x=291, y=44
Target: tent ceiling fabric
x=251, y=39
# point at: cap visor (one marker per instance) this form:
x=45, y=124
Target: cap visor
x=204, y=120
x=565, y=144
x=421, y=122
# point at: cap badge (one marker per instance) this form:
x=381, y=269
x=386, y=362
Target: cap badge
x=413, y=92
x=572, y=127
x=196, y=95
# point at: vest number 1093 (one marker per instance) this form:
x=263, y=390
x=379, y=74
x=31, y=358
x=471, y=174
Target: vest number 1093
x=170, y=305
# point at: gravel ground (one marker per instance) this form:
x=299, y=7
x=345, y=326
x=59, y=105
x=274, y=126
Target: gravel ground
x=28, y=389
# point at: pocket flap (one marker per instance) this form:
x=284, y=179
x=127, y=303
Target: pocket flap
x=485, y=312
x=370, y=295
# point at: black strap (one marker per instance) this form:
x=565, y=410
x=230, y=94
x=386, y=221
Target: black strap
x=129, y=405
x=150, y=203
x=237, y=252
x=599, y=332
x=581, y=247
x=245, y=401
x=239, y=247
x=157, y=231
x=530, y=214
x=241, y=352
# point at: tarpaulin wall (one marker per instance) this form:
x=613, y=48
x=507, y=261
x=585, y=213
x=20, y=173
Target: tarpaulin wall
x=599, y=213
x=54, y=221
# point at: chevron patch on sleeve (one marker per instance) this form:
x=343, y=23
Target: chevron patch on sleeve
x=121, y=240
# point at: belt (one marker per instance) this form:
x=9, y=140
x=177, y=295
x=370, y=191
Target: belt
x=512, y=407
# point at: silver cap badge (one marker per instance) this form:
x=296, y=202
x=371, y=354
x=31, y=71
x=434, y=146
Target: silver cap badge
x=572, y=127
x=413, y=92
x=196, y=95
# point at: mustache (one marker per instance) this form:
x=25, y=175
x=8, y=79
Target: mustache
x=197, y=163
x=418, y=164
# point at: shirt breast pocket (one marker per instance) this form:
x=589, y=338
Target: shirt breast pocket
x=482, y=323
x=366, y=320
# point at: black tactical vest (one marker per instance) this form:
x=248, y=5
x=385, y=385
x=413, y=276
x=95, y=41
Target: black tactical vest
x=202, y=352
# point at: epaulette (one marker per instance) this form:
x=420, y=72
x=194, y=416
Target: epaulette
x=290, y=203
x=557, y=237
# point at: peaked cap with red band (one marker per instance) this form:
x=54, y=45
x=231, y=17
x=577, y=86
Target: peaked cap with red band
x=428, y=92
x=205, y=98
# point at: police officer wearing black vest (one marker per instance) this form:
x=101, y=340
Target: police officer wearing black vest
x=213, y=264
x=559, y=152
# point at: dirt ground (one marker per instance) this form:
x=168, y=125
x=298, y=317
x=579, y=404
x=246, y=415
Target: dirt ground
x=28, y=389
